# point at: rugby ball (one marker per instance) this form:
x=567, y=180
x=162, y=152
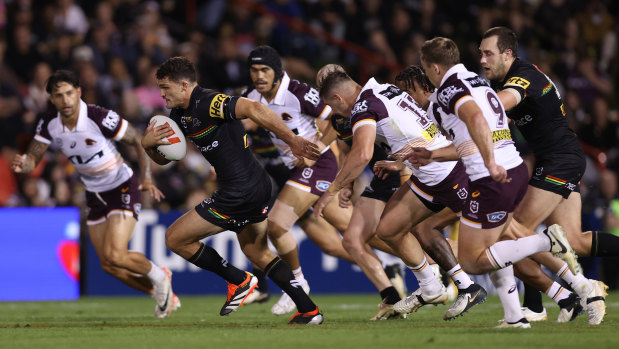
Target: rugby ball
x=177, y=148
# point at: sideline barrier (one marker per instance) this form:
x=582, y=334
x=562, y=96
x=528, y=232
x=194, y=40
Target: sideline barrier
x=39, y=253
x=324, y=273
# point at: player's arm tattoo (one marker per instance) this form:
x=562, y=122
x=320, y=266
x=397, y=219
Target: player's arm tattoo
x=36, y=150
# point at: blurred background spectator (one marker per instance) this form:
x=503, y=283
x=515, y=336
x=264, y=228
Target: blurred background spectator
x=115, y=47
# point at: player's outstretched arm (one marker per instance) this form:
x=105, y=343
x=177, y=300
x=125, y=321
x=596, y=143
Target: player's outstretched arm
x=132, y=138
x=477, y=125
x=263, y=116
x=27, y=162
x=154, y=136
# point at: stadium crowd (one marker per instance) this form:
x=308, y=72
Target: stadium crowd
x=115, y=46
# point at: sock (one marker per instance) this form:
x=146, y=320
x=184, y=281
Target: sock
x=577, y=282
x=459, y=277
x=604, y=244
x=390, y=295
x=281, y=274
x=557, y=292
x=425, y=277
x=532, y=299
x=263, y=285
x=208, y=259
x=505, y=284
x=508, y=252
x=156, y=274
x=298, y=274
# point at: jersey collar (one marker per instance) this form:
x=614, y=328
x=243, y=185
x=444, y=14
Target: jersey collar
x=82, y=118
x=458, y=68
x=368, y=85
x=280, y=96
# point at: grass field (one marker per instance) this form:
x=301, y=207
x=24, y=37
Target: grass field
x=128, y=323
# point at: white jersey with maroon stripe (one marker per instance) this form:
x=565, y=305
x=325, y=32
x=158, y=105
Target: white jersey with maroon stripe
x=299, y=105
x=89, y=145
x=401, y=124
x=459, y=86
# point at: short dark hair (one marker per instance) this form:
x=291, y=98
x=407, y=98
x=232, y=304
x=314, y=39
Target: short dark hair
x=506, y=39
x=442, y=51
x=177, y=69
x=62, y=76
x=412, y=74
x=331, y=80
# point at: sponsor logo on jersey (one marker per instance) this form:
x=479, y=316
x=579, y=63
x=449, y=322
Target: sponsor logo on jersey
x=90, y=142
x=307, y=173
x=76, y=159
x=312, y=96
x=216, y=108
x=517, y=82
x=265, y=210
x=322, y=185
x=495, y=217
x=359, y=107
x=524, y=120
x=430, y=132
x=245, y=141
x=110, y=121
x=501, y=135
x=446, y=94
x=476, y=81
x=73, y=144
x=137, y=208
x=209, y=147
x=286, y=117
x=474, y=205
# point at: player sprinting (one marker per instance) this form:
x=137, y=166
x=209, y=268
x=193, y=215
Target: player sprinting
x=211, y=122
x=385, y=115
x=532, y=100
x=299, y=106
x=86, y=134
x=416, y=83
x=474, y=117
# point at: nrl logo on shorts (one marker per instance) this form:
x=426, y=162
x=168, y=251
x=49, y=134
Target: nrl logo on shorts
x=447, y=94
x=322, y=185
x=496, y=217
x=307, y=173
x=474, y=206
x=359, y=107
x=539, y=170
x=462, y=193
x=125, y=198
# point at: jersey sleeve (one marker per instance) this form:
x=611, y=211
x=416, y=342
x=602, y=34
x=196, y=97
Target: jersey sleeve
x=42, y=131
x=525, y=82
x=109, y=122
x=309, y=98
x=453, y=95
x=363, y=113
x=342, y=128
x=218, y=106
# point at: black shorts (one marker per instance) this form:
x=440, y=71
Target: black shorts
x=234, y=210
x=382, y=189
x=124, y=199
x=559, y=173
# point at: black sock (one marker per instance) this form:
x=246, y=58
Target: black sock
x=208, y=259
x=604, y=244
x=532, y=299
x=281, y=274
x=263, y=285
x=390, y=295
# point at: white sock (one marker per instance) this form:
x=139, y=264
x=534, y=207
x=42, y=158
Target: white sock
x=298, y=274
x=505, y=284
x=508, y=252
x=428, y=283
x=156, y=274
x=459, y=277
x=578, y=282
x=557, y=292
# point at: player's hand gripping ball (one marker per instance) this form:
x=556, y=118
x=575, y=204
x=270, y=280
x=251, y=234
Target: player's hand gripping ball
x=177, y=148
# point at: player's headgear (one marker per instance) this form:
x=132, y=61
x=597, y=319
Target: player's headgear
x=268, y=56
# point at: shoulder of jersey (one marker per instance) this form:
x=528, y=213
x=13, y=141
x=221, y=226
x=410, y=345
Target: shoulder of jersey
x=177, y=148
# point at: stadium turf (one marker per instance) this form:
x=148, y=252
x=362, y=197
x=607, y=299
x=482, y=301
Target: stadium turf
x=129, y=323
